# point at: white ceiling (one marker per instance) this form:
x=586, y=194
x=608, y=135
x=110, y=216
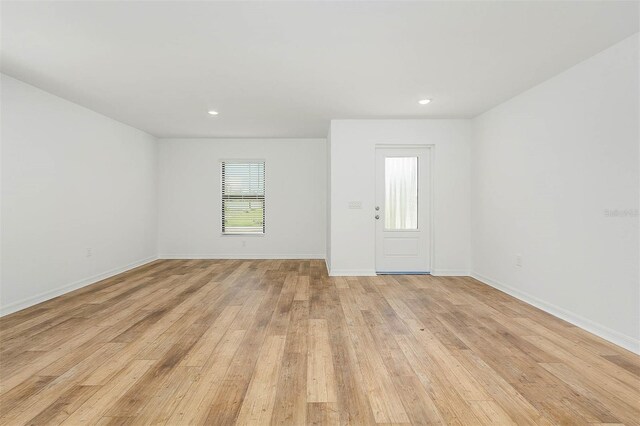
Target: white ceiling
x=284, y=69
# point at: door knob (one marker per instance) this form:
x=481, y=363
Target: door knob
x=377, y=216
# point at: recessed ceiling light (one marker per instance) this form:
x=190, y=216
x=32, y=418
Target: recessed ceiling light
x=424, y=101
x=212, y=112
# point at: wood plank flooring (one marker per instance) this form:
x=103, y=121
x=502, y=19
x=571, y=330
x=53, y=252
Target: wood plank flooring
x=253, y=342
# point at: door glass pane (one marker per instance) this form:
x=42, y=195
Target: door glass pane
x=401, y=193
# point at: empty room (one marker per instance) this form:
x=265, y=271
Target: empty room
x=319, y=212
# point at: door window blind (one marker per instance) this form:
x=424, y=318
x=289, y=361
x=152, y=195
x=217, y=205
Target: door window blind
x=243, y=201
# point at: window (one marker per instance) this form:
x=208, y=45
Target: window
x=401, y=193
x=243, y=197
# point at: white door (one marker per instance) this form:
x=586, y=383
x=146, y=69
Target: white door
x=402, y=210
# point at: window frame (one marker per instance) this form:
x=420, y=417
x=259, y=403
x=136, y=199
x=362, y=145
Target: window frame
x=264, y=198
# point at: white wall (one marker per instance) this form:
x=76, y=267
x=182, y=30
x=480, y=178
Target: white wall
x=546, y=167
x=328, y=204
x=72, y=180
x=352, y=150
x=190, y=206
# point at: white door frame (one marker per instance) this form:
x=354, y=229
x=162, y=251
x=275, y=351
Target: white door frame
x=431, y=209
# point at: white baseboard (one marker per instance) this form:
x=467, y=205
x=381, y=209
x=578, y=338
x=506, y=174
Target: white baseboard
x=450, y=273
x=352, y=273
x=242, y=256
x=600, y=330
x=42, y=297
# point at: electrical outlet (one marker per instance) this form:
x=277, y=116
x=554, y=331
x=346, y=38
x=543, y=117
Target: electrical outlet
x=89, y=252
x=244, y=243
x=519, y=260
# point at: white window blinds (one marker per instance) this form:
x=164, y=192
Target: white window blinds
x=243, y=197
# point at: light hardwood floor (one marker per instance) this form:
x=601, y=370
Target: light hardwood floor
x=254, y=342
